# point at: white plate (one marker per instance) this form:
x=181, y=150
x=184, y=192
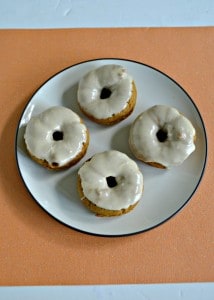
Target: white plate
x=165, y=191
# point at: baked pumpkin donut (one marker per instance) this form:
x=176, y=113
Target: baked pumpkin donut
x=162, y=137
x=107, y=95
x=56, y=138
x=110, y=183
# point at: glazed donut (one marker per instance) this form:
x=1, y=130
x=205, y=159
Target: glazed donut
x=56, y=138
x=110, y=183
x=107, y=95
x=162, y=137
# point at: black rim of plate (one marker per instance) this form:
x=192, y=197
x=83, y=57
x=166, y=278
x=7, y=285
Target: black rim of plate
x=123, y=234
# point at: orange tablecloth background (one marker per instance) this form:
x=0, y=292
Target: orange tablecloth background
x=37, y=250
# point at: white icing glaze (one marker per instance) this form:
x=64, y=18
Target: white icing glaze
x=39, y=135
x=129, y=179
x=180, y=136
x=113, y=77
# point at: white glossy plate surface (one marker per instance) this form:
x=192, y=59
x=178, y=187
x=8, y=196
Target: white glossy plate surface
x=165, y=191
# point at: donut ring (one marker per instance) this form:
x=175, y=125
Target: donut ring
x=107, y=95
x=56, y=138
x=110, y=183
x=162, y=137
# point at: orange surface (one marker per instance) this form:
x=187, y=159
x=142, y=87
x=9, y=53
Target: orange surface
x=37, y=250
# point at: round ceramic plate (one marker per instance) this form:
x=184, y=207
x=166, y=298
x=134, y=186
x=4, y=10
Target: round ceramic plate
x=165, y=191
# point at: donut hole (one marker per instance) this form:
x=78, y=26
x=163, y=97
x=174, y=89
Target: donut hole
x=105, y=93
x=57, y=135
x=111, y=181
x=162, y=135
